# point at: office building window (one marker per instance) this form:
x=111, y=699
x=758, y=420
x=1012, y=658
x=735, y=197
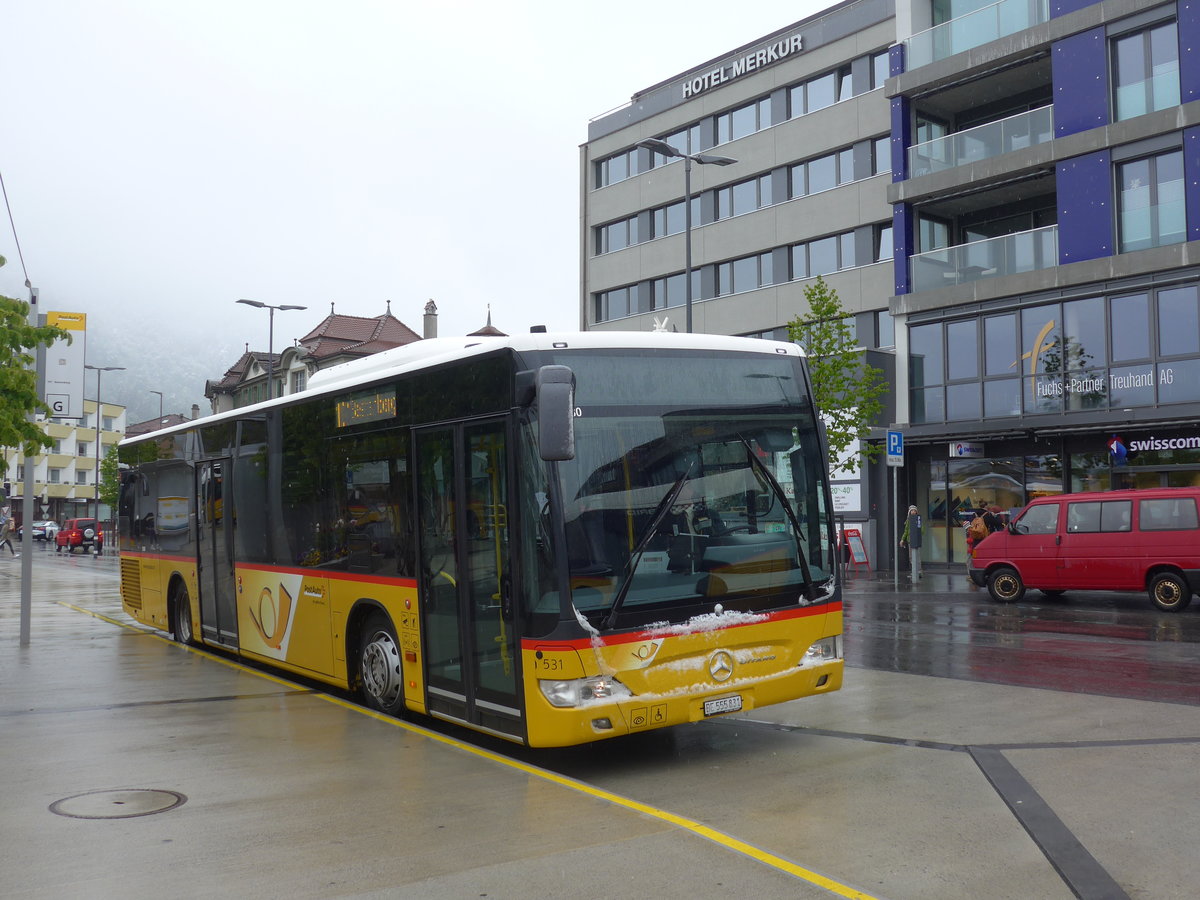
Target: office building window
x=883, y=242
x=55, y=476
x=879, y=69
x=83, y=448
x=1151, y=202
x=885, y=329
x=81, y=476
x=1145, y=71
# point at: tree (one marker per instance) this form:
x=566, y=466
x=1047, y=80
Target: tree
x=846, y=388
x=110, y=478
x=18, y=382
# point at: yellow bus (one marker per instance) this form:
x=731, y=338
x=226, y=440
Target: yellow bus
x=552, y=538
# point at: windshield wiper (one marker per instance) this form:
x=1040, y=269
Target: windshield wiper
x=648, y=532
x=811, y=591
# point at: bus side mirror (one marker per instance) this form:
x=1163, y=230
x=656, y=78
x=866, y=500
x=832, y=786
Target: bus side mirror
x=556, y=413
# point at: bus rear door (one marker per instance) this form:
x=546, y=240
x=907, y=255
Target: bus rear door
x=470, y=645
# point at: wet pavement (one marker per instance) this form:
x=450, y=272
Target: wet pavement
x=932, y=774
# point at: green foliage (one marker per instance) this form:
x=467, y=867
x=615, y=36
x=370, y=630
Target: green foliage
x=110, y=478
x=18, y=384
x=848, y=391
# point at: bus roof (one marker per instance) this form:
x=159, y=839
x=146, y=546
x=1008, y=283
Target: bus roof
x=431, y=352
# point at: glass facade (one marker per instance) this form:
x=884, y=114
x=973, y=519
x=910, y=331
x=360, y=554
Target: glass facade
x=1117, y=352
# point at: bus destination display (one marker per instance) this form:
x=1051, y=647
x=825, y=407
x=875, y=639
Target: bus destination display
x=370, y=407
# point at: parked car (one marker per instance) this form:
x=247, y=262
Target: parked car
x=45, y=530
x=1135, y=540
x=83, y=533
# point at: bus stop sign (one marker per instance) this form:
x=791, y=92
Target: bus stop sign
x=895, y=448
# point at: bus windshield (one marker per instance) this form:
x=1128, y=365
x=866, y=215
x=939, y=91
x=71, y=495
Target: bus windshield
x=670, y=511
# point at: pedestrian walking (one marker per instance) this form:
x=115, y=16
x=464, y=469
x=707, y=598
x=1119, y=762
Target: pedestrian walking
x=6, y=533
x=911, y=538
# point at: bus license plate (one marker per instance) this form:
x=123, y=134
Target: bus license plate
x=722, y=705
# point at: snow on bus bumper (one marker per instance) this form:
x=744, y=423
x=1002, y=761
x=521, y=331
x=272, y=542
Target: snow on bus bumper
x=577, y=710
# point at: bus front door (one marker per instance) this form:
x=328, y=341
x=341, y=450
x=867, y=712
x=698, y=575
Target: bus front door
x=470, y=644
x=214, y=554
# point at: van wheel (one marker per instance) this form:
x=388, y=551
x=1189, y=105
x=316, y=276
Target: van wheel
x=1169, y=592
x=380, y=675
x=1005, y=585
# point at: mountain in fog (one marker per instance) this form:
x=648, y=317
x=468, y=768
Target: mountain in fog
x=155, y=363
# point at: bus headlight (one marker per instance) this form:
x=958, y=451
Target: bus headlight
x=580, y=691
x=823, y=651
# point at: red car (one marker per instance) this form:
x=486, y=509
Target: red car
x=83, y=533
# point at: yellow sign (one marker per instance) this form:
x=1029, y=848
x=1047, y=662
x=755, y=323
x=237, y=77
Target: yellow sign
x=67, y=321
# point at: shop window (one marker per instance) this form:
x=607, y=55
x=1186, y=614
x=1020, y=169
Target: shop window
x=1002, y=397
x=1089, y=472
x=925, y=355
x=1179, y=321
x=1000, y=355
x=1179, y=381
x=1145, y=71
x=1129, y=327
x=962, y=352
x=962, y=402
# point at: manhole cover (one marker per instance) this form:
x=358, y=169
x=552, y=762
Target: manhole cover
x=117, y=804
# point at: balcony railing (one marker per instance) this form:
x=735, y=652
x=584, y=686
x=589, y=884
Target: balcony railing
x=973, y=30
x=1009, y=254
x=983, y=141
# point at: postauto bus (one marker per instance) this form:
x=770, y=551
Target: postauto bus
x=553, y=538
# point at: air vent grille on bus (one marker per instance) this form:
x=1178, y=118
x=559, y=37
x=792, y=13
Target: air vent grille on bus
x=131, y=583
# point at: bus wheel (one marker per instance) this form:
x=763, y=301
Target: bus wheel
x=1005, y=585
x=181, y=615
x=1169, y=592
x=379, y=667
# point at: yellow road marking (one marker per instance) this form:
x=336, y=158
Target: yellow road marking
x=697, y=828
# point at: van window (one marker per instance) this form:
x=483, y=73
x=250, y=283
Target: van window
x=1039, y=519
x=1170, y=514
x=1109, y=515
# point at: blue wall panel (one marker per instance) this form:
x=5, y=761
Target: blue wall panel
x=1191, y=181
x=1080, y=69
x=1062, y=7
x=1085, y=208
x=1189, y=60
x=902, y=244
x=901, y=137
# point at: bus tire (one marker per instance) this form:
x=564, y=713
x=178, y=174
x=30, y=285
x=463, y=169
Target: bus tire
x=1005, y=585
x=181, y=615
x=380, y=674
x=1169, y=592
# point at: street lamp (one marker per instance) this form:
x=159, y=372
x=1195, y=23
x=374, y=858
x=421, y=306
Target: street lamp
x=659, y=146
x=159, y=407
x=99, y=426
x=270, y=337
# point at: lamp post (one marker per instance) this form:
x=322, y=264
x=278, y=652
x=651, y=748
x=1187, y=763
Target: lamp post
x=99, y=425
x=662, y=147
x=270, y=338
x=159, y=407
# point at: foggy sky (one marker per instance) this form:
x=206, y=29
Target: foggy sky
x=165, y=157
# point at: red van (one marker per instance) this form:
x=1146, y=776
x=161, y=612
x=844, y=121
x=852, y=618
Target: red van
x=1142, y=540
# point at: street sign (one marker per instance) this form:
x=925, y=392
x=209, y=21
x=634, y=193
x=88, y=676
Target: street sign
x=895, y=448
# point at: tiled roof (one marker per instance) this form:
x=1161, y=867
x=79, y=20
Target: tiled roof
x=357, y=335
